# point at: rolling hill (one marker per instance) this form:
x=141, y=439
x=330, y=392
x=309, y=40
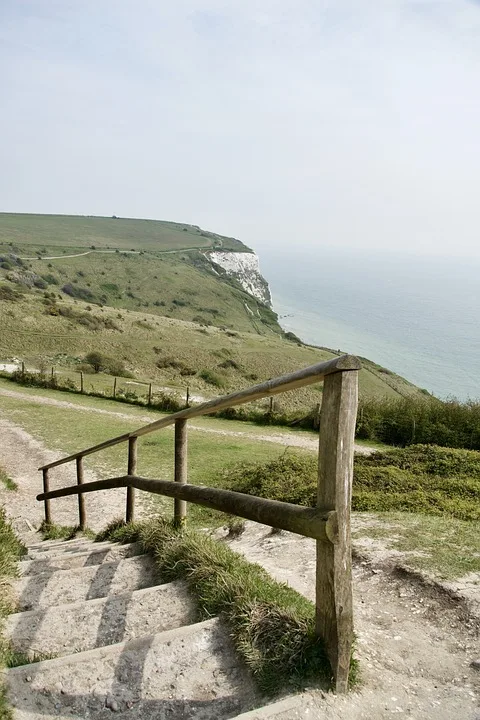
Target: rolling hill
x=146, y=293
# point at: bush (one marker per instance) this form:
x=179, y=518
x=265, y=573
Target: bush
x=78, y=292
x=103, y=363
x=421, y=479
x=9, y=294
x=425, y=420
x=212, y=378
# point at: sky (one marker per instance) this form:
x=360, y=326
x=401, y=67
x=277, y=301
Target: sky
x=286, y=123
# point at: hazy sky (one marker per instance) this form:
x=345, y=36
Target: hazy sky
x=312, y=122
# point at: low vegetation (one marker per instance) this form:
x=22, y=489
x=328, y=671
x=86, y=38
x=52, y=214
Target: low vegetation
x=426, y=420
x=272, y=626
x=421, y=479
x=7, y=481
x=11, y=550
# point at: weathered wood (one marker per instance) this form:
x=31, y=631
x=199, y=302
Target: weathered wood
x=181, y=465
x=307, y=376
x=46, y=489
x=310, y=522
x=334, y=604
x=82, y=515
x=132, y=470
x=149, y=399
x=23, y=368
x=187, y=398
x=81, y=381
x=53, y=372
x=114, y=388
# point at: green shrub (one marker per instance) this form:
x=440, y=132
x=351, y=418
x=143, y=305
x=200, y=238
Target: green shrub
x=423, y=479
x=425, y=420
x=212, y=378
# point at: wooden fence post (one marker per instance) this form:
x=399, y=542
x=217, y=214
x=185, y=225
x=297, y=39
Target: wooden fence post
x=187, y=400
x=114, y=388
x=46, y=488
x=131, y=470
x=53, y=373
x=180, y=512
x=23, y=369
x=334, y=602
x=149, y=401
x=82, y=517
x=81, y=381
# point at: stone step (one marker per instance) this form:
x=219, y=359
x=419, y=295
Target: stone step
x=181, y=674
x=65, y=548
x=84, y=583
x=292, y=707
x=75, y=627
x=94, y=555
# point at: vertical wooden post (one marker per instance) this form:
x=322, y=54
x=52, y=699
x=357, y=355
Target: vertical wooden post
x=149, y=401
x=81, y=381
x=334, y=603
x=114, y=388
x=187, y=400
x=270, y=409
x=180, y=512
x=46, y=488
x=82, y=517
x=131, y=470
x=53, y=373
x=23, y=368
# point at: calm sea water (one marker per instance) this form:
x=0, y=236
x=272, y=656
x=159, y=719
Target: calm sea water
x=417, y=316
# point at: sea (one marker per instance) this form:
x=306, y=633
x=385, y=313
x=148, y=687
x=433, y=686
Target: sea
x=418, y=316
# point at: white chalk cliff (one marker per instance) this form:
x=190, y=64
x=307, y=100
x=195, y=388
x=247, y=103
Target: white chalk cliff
x=245, y=268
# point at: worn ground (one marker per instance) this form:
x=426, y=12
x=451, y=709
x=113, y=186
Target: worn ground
x=416, y=642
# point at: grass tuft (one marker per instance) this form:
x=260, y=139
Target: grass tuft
x=50, y=531
x=272, y=626
x=11, y=550
x=7, y=481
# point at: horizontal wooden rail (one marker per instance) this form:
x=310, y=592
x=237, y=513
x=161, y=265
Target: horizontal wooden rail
x=310, y=522
x=307, y=376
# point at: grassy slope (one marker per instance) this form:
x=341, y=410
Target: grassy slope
x=29, y=333
x=54, y=232
x=146, y=296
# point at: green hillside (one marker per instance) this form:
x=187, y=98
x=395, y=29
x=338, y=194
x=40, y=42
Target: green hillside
x=167, y=316
x=54, y=232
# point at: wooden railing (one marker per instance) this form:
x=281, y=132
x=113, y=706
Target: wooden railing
x=328, y=523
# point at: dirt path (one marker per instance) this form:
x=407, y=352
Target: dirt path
x=21, y=455
x=415, y=646
x=308, y=443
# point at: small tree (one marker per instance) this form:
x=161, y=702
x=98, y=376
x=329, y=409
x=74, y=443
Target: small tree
x=96, y=360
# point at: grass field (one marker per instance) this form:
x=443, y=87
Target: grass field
x=169, y=352
x=58, y=232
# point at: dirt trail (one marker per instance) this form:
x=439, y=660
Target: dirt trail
x=21, y=455
x=308, y=443
x=415, y=646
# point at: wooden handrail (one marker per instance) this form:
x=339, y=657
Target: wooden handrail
x=328, y=523
x=309, y=522
x=291, y=381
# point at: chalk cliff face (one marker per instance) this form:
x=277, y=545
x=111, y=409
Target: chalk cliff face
x=244, y=267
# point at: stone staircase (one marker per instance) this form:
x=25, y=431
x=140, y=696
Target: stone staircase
x=118, y=641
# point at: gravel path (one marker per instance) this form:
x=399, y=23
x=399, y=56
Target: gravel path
x=21, y=455
x=415, y=646
x=292, y=440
